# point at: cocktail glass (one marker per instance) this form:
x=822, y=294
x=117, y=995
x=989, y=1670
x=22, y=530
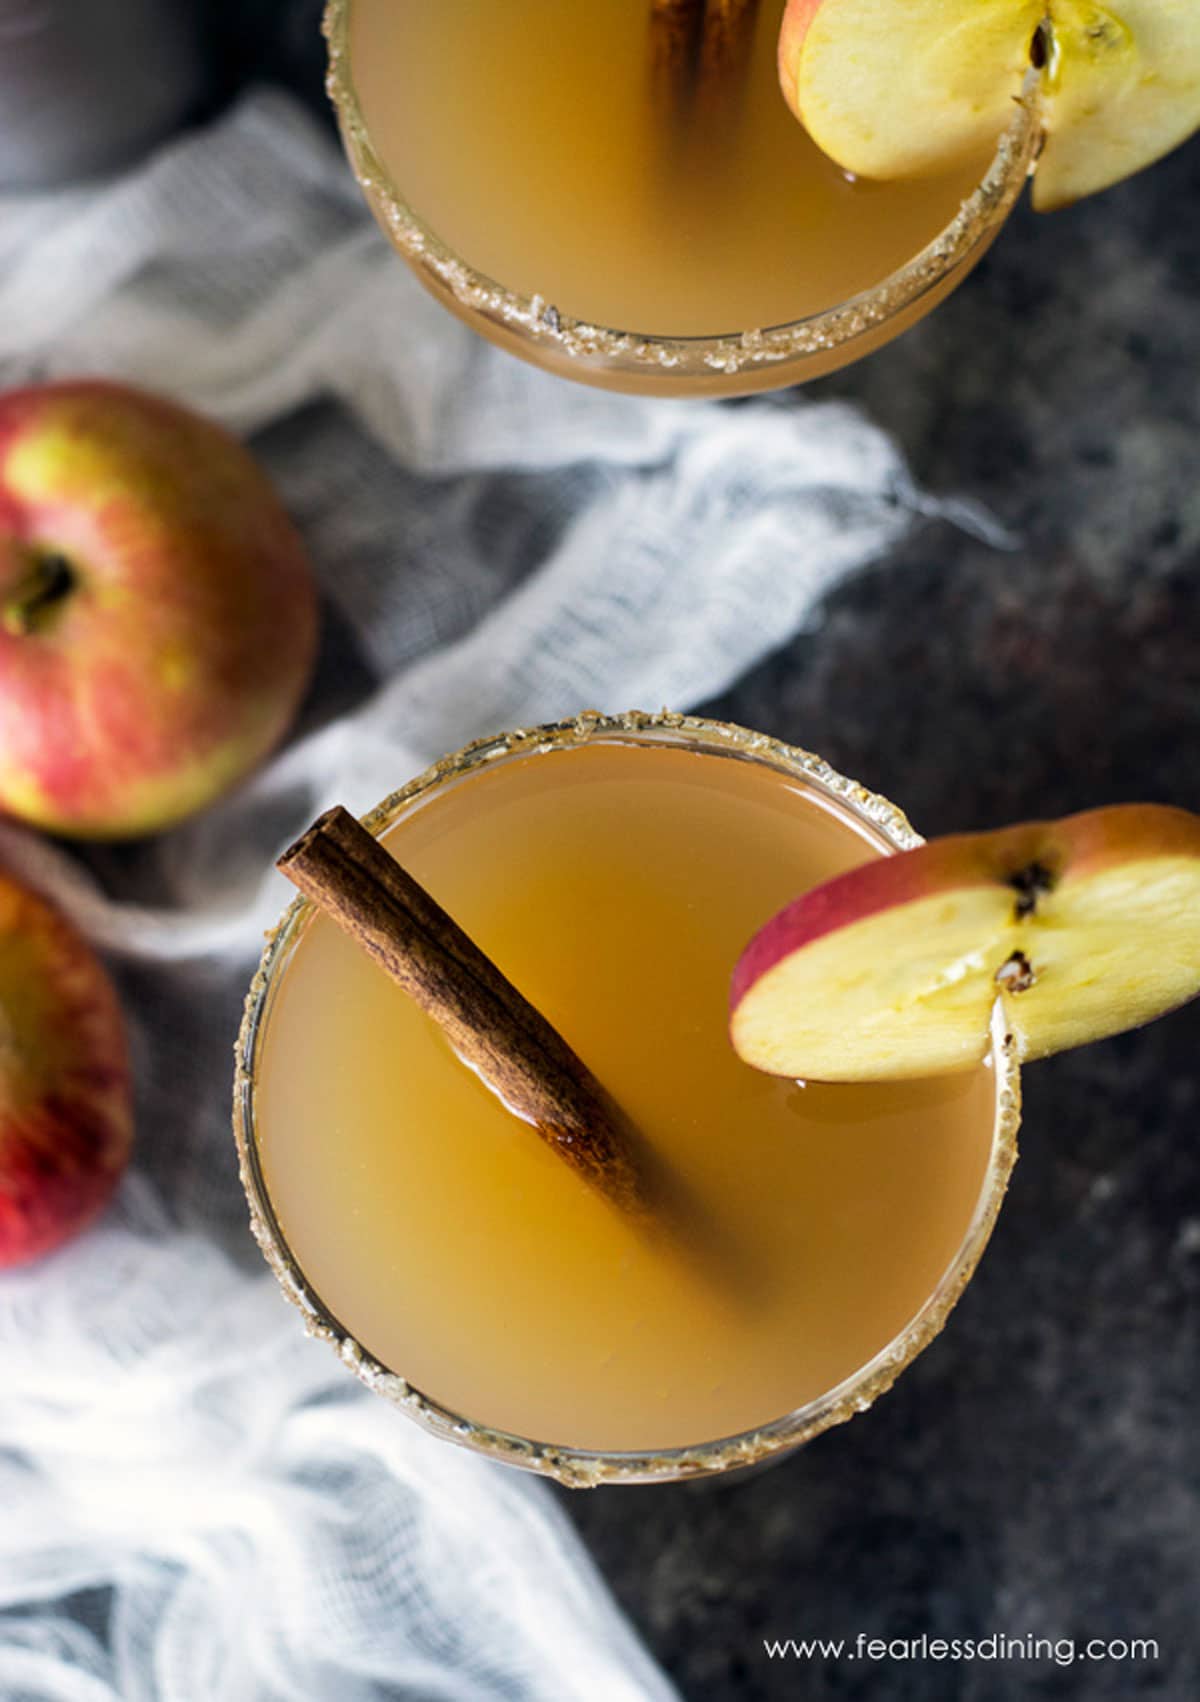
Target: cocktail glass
x=882, y=825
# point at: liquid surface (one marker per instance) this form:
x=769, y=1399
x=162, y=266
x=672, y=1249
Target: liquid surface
x=534, y=139
x=616, y=885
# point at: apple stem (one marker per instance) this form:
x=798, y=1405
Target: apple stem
x=49, y=582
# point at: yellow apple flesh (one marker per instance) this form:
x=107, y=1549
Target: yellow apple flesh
x=1080, y=928
x=897, y=88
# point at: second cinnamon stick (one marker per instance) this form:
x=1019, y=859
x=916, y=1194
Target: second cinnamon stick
x=699, y=44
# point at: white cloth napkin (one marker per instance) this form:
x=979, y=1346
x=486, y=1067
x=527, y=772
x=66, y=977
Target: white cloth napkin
x=196, y=1503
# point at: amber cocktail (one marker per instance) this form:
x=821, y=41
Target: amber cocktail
x=614, y=868
x=538, y=167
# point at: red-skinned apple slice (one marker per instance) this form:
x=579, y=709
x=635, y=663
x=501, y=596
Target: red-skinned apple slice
x=896, y=88
x=1082, y=927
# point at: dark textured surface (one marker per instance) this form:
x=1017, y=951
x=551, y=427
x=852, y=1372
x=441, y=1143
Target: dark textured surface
x=1037, y=1472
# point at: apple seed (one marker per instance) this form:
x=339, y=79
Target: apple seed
x=1016, y=974
x=1029, y=884
x=50, y=581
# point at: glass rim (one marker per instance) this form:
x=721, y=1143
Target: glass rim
x=582, y=1467
x=533, y=319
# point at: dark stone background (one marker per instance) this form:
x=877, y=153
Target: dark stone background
x=1038, y=1470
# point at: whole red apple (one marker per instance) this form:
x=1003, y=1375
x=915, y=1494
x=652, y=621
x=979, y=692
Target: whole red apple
x=66, y=1117
x=158, y=614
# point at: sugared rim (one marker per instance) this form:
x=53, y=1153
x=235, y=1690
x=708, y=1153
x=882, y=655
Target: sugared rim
x=536, y=320
x=585, y=1468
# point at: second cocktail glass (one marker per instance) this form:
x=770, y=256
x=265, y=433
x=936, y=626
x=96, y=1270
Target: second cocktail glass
x=613, y=866
x=529, y=164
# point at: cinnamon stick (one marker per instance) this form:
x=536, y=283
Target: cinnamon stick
x=725, y=45
x=493, y=1028
x=699, y=45
x=675, y=28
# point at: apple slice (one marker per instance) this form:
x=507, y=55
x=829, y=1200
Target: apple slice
x=897, y=88
x=1081, y=927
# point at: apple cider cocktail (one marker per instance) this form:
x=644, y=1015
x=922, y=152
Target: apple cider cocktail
x=727, y=195
x=719, y=1096
x=622, y=194
x=615, y=870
